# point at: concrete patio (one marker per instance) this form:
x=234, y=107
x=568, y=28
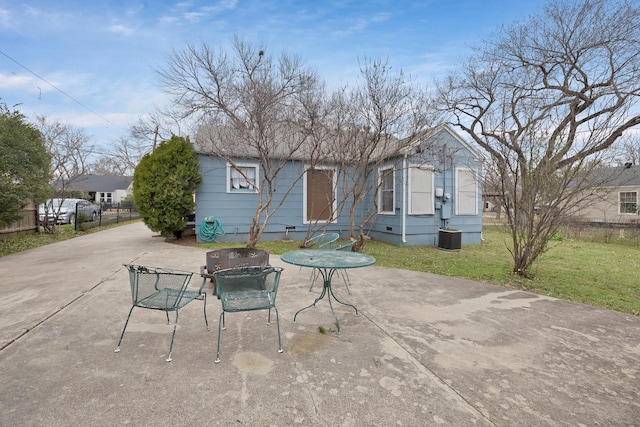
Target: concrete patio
x=425, y=350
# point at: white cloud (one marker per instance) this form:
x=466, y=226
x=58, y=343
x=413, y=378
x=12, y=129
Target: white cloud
x=167, y=20
x=361, y=24
x=221, y=5
x=5, y=18
x=193, y=16
x=17, y=82
x=121, y=29
x=192, y=13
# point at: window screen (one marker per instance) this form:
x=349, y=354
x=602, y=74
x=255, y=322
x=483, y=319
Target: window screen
x=320, y=195
x=421, y=191
x=466, y=192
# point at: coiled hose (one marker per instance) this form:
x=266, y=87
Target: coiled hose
x=211, y=230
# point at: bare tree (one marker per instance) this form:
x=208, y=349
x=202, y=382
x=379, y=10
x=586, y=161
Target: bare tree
x=70, y=151
x=70, y=148
x=631, y=151
x=106, y=164
x=254, y=105
x=544, y=98
x=122, y=157
x=161, y=125
x=376, y=120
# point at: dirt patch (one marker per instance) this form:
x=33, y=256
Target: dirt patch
x=184, y=241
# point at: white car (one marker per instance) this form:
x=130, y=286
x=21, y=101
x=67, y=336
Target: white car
x=63, y=211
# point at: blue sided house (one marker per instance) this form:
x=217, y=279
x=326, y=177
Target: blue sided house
x=427, y=193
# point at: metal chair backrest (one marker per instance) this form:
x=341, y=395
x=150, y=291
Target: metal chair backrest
x=146, y=282
x=253, y=282
x=347, y=246
x=322, y=241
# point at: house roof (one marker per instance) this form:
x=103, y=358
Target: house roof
x=617, y=176
x=211, y=140
x=97, y=183
x=224, y=141
x=608, y=177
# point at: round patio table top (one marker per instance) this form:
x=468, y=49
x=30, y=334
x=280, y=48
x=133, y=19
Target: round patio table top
x=320, y=258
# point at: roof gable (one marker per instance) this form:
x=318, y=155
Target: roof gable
x=444, y=127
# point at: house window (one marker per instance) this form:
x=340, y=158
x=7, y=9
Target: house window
x=628, y=202
x=242, y=178
x=319, y=197
x=386, y=199
x=106, y=198
x=421, y=191
x=466, y=192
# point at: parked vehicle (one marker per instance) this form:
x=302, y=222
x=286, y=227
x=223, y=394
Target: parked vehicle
x=63, y=211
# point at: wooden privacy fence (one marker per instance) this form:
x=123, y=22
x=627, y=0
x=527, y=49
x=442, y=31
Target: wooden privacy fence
x=28, y=224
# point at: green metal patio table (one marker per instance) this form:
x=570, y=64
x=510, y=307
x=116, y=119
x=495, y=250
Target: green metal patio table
x=327, y=262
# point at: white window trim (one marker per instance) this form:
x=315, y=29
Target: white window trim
x=412, y=168
x=457, y=184
x=231, y=167
x=637, y=201
x=381, y=172
x=304, y=194
x=105, y=197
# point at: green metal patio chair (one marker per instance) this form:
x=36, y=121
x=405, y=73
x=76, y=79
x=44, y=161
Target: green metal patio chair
x=321, y=241
x=162, y=289
x=247, y=289
x=347, y=246
x=343, y=271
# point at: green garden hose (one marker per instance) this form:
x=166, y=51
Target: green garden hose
x=211, y=230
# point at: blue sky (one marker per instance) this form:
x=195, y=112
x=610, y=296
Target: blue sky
x=93, y=64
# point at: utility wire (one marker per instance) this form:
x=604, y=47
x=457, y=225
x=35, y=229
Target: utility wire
x=58, y=89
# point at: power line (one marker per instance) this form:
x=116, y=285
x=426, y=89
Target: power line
x=58, y=89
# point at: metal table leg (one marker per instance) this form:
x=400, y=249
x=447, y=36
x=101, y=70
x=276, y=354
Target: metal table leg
x=327, y=275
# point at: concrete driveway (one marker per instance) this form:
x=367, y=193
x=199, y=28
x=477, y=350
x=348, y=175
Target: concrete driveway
x=425, y=350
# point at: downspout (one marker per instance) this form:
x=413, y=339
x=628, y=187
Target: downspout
x=404, y=199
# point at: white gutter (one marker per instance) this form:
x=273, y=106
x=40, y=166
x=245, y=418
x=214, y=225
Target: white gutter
x=404, y=199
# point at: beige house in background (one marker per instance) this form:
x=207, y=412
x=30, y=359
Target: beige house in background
x=617, y=200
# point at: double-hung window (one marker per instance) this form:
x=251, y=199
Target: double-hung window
x=421, y=200
x=242, y=178
x=386, y=193
x=628, y=202
x=466, y=191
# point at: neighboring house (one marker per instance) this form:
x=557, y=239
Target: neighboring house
x=491, y=201
x=433, y=184
x=101, y=188
x=616, y=196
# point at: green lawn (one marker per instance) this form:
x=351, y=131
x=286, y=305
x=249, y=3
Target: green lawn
x=591, y=272
x=599, y=274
